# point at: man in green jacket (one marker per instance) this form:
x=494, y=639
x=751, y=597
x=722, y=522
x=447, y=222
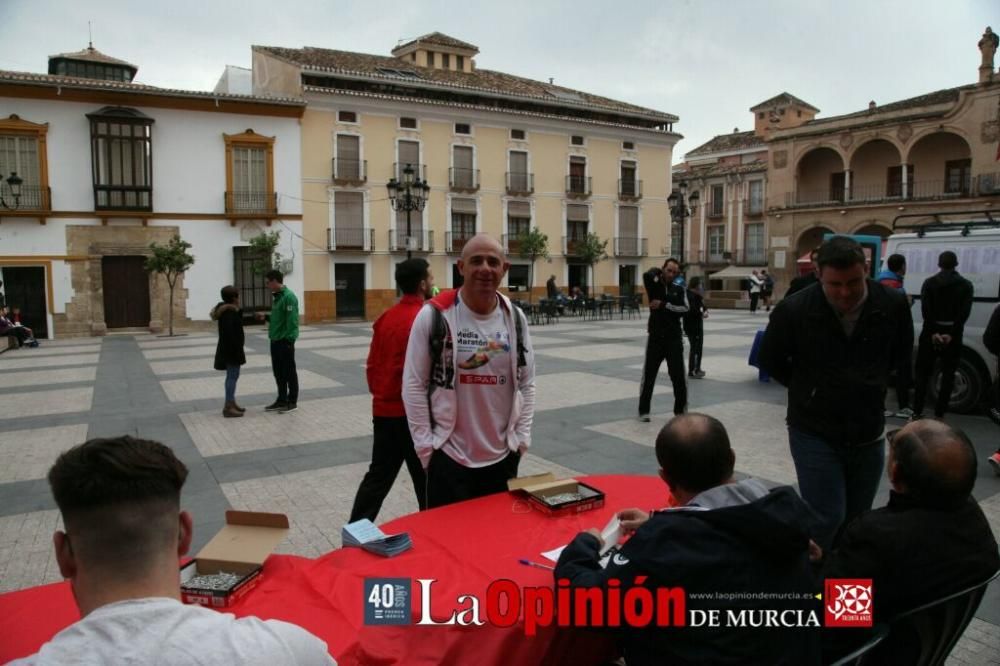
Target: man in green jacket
x=283, y=331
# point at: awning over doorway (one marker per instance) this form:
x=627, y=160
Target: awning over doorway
x=733, y=272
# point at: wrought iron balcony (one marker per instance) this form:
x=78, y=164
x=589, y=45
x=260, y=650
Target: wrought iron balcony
x=349, y=171
x=571, y=245
x=982, y=185
x=33, y=198
x=511, y=244
x=454, y=241
x=627, y=246
x=350, y=240
x=629, y=189
x=750, y=257
x=251, y=203
x=520, y=184
x=123, y=197
x=423, y=240
x=578, y=186
x=463, y=180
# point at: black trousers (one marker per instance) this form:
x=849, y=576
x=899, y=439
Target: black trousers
x=658, y=349
x=754, y=298
x=904, y=375
x=285, y=374
x=391, y=447
x=448, y=482
x=926, y=355
x=697, y=340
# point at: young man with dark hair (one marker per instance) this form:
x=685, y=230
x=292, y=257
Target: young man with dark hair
x=930, y=540
x=283, y=331
x=124, y=532
x=946, y=303
x=834, y=347
x=393, y=445
x=694, y=327
x=668, y=302
x=229, y=354
x=724, y=535
x=893, y=277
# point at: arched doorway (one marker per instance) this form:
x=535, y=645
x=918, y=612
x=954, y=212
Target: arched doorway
x=819, y=177
x=876, y=172
x=942, y=166
x=808, y=239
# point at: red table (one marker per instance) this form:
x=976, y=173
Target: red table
x=463, y=547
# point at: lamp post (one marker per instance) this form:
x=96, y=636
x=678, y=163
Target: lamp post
x=14, y=182
x=680, y=209
x=409, y=195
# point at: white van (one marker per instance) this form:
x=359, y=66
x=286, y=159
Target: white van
x=976, y=242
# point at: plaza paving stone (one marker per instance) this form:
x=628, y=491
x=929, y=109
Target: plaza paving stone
x=310, y=462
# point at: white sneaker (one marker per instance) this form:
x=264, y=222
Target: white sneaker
x=904, y=413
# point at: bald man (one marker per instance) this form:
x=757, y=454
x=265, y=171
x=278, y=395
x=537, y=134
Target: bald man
x=469, y=381
x=932, y=539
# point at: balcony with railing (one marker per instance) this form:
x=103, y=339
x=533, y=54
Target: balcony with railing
x=123, y=197
x=463, y=180
x=454, y=241
x=981, y=185
x=572, y=245
x=248, y=204
x=32, y=199
x=419, y=170
x=349, y=171
x=749, y=257
x=753, y=207
x=423, y=240
x=350, y=240
x=578, y=186
x=629, y=189
x=511, y=244
x=626, y=246
x=520, y=184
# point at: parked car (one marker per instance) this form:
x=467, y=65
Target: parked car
x=977, y=244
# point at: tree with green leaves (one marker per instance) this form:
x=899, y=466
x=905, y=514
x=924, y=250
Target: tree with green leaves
x=171, y=260
x=591, y=251
x=264, y=247
x=533, y=245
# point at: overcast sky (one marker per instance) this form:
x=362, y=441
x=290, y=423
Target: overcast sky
x=705, y=61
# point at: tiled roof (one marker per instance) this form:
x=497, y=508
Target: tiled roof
x=387, y=68
x=441, y=39
x=713, y=170
x=91, y=54
x=946, y=96
x=783, y=98
x=728, y=142
x=51, y=80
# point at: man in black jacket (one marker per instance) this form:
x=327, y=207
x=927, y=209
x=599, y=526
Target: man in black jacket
x=931, y=540
x=726, y=538
x=667, y=304
x=946, y=303
x=991, y=338
x=694, y=327
x=834, y=345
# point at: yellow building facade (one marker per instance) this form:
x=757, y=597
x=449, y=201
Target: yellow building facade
x=501, y=154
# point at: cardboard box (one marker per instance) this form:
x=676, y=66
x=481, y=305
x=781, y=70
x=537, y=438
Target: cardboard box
x=239, y=548
x=542, y=491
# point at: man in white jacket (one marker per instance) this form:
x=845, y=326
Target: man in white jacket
x=469, y=382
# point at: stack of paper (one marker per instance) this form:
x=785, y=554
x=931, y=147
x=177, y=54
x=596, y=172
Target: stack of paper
x=365, y=534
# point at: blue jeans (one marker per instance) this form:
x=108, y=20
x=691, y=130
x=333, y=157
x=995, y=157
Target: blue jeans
x=838, y=482
x=232, y=374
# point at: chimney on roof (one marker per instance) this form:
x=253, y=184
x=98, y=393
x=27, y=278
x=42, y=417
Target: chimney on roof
x=736, y=130
x=871, y=106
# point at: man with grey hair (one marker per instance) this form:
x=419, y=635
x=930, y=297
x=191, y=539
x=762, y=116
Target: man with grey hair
x=469, y=381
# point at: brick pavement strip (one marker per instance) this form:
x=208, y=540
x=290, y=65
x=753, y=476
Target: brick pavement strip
x=177, y=367
x=570, y=389
x=345, y=354
x=179, y=352
x=202, y=388
x=23, y=360
x=590, y=353
x=42, y=403
x=41, y=377
x=28, y=454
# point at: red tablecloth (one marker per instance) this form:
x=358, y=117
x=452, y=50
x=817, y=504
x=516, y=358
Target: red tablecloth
x=463, y=547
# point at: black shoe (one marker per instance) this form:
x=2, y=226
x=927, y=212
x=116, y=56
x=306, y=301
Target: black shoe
x=290, y=407
x=276, y=406
x=644, y=418
x=698, y=374
x=995, y=415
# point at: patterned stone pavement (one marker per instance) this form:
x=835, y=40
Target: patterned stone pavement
x=308, y=463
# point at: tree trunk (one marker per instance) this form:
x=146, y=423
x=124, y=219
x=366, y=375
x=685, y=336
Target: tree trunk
x=170, y=307
x=531, y=278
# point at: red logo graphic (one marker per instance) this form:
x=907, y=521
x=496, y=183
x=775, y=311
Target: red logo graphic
x=848, y=602
x=478, y=379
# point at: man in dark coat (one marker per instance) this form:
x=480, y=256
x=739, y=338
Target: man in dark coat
x=991, y=338
x=694, y=327
x=728, y=536
x=229, y=354
x=667, y=304
x=834, y=346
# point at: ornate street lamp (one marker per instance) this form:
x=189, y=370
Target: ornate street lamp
x=14, y=182
x=680, y=209
x=409, y=195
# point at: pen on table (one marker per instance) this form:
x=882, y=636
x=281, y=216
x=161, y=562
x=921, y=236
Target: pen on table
x=529, y=563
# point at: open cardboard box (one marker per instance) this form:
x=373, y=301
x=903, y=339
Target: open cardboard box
x=239, y=548
x=540, y=488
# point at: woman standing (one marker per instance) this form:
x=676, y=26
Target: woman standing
x=229, y=354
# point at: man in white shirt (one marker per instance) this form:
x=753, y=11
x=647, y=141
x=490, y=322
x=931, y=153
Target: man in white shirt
x=469, y=382
x=120, y=503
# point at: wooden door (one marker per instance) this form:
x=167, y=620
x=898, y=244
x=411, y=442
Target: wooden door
x=24, y=287
x=126, y=292
x=350, y=284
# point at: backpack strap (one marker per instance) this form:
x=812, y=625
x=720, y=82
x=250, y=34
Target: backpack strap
x=438, y=333
x=519, y=332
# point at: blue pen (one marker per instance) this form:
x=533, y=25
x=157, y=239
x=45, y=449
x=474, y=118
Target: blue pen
x=529, y=563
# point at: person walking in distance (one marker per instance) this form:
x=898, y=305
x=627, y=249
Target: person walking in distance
x=893, y=277
x=668, y=302
x=756, y=285
x=283, y=331
x=392, y=444
x=694, y=327
x=229, y=354
x=946, y=303
x=766, y=289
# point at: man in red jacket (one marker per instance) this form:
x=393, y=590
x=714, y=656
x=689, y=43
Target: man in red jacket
x=392, y=443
